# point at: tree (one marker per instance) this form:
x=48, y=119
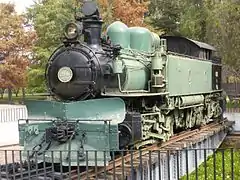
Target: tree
x=193, y=19
x=2, y=92
x=223, y=31
x=49, y=19
x=106, y=11
x=174, y=17
x=36, y=80
x=130, y=12
x=15, y=45
x=165, y=15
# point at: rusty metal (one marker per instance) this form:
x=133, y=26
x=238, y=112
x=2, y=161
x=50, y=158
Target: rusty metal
x=174, y=143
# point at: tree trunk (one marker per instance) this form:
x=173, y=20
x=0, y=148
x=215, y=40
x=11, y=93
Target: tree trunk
x=9, y=95
x=16, y=91
x=2, y=92
x=23, y=95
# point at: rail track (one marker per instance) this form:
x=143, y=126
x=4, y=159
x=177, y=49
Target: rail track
x=123, y=165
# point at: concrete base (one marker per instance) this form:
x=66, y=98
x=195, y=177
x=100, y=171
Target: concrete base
x=233, y=116
x=9, y=133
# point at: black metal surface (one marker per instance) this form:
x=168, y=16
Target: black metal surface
x=232, y=164
x=141, y=165
x=205, y=164
x=216, y=76
x=130, y=129
x=168, y=165
x=89, y=8
x=223, y=165
x=114, y=167
x=214, y=164
x=61, y=132
x=178, y=173
x=25, y=170
x=122, y=157
x=148, y=162
x=186, y=156
x=85, y=68
x=186, y=46
x=96, y=162
x=196, y=163
x=150, y=165
x=92, y=32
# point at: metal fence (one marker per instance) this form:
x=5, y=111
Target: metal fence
x=232, y=89
x=187, y=164
x=232, y=110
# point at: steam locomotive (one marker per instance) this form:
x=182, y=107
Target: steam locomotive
x=126, y=88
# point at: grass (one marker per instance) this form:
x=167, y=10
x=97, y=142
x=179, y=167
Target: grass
x=233, y=104
x=224, y=166
x=19, y=99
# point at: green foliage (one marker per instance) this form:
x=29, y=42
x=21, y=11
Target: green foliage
x=175, y=17
x=219, y=159
x=36, y=81
x=224, y=32
x=49, y=19
x=213, y=22
x=165, y=15
x=233, y=104
x=193, y=20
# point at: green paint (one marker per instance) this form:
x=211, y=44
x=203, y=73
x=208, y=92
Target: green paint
x=141, y=39
x=118, y=33
x=97, y=109
x=93, y=130
x=188, y=76
x=135, y=74
x=137, y=38
x=98, y=137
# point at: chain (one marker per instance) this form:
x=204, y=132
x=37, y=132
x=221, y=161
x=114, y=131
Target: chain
x=38, y=147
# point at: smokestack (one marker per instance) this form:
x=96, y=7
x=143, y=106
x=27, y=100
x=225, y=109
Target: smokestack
x=92, y=24
x=92, y=32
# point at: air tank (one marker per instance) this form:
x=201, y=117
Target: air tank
x=119, y=34
x=141, y=39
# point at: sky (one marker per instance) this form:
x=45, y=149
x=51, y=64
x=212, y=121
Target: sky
x=20, y=5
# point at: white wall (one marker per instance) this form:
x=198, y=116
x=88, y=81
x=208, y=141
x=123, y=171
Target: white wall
x=9, y=116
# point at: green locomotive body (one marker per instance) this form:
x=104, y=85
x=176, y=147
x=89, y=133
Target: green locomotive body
x=188, y=76
x=134, y=91
x=91, y=125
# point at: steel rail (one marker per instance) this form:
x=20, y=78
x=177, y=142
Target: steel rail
x=115, y=166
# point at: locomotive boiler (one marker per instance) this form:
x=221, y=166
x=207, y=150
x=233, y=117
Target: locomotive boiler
x=126, y=88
